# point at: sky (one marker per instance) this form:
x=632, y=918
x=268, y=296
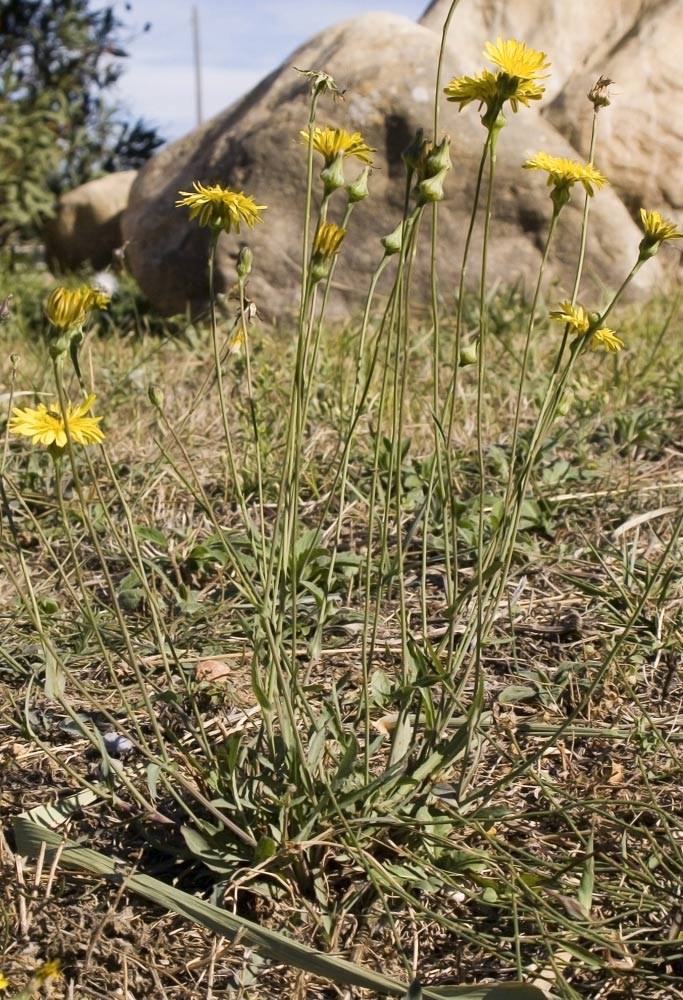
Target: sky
x=240, y=42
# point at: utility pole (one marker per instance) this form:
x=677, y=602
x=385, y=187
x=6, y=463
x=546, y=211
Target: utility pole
x=197, y=63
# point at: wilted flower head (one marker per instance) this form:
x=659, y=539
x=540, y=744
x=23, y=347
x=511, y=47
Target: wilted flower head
x=564, y=173
x=68, y=308
x=320, y=82
x=657, y=231
x=219, y=207
x=515, y=81
x=46, y=426
x=329, y=142
x=598, y=95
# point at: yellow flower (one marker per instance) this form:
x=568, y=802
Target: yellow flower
x=47, y=426
x=482, y=88
x=574, y=316
x=328, y=240
x=68, y=308
x=607, y=339
x=519, y=68
x=325, y=245
x=515, y=59
x=658, y=228
x=4, y=983
x=564, y=173
x=220, y=207
x=329, y=142
x=47, y=970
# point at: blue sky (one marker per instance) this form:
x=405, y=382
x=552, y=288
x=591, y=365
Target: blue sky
x=241, y=41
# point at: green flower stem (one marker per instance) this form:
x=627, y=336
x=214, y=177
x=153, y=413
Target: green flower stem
x=525, y=362
x=620, y=291
x=313, y=106
x=254, y=425
x=586, y=211
x=481, y=370
x=132, y=659
x=236, y=478
x=341, y=476
x=448, y=417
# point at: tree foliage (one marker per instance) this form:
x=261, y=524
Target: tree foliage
x=59, y=127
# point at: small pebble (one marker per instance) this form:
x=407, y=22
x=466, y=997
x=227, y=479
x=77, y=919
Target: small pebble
x=117, y=745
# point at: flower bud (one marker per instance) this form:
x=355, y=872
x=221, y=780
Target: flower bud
x=244, y=262
x=358, y=191
x=439, y=159
x=392, y=242
x=431, y=189
x=468, y=355
x=156, y=397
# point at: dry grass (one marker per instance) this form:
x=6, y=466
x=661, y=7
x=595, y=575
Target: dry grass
x=564, y=848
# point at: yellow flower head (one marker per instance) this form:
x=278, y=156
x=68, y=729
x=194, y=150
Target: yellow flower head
x=607, y=339
x=47, y=970
x=220, y=207
x=68, y=308
x=328, y=240
x=46, y=426
x=564, y=173
x=329, y=142
x=575, y=317
x=4, y=983
x=657, y=231
x=464, y=90
x=515, y=59
x=519, y=68
x=657, y=228
x=488, y=88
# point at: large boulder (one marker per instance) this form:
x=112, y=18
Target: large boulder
x=575, y=33
x=87, y=226
x=640, y=136
x=254, y=146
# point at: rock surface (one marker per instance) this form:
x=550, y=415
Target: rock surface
x=576, y=34
x=87, y=227
x=253, y=146
x=640, y=136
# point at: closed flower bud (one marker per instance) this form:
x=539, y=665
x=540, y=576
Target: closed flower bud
x=244, y=262
x=431, y=189
x=358, y=191
x=156, y=397
x=332, y=176
x=439, y=159
x=468, y=355
x=392, y=242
